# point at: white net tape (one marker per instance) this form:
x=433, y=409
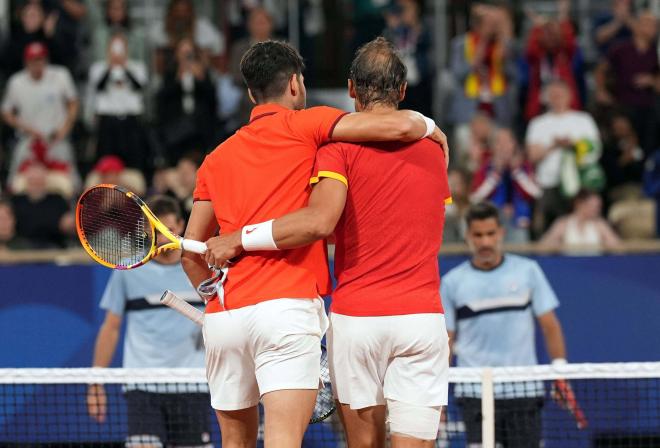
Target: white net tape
x=456, y=375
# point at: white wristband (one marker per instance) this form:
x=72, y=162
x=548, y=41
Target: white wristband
x=430, y=126
x=258, y=237
x=559, y=362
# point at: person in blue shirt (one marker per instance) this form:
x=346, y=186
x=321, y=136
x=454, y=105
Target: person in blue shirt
x=156, y=336
x=491, y=304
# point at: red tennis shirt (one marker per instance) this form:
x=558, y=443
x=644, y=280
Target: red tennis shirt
x=261, y=173
x=388, y=238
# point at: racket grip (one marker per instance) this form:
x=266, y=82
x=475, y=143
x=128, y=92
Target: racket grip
x=193, y=246
x=177, y=304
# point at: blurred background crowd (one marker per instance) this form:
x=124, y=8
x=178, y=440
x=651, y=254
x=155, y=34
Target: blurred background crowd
x=551, y=106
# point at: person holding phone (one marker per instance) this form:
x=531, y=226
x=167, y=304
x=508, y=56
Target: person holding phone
x=187, y=105
x=116, y=100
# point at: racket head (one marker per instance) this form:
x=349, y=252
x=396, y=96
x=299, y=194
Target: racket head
x=117, y=229
x=325, y=401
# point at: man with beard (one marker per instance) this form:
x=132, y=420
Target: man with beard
x=490, y=304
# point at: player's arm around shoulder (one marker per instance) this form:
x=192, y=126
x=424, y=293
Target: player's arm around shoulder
x=296, y=229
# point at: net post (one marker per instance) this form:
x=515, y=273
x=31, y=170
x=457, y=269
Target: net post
x=487, y=409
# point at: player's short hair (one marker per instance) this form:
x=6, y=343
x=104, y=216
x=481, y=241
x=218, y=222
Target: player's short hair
x=378, y=73
x=267, y=67
x=163, y=205
x=482, y=211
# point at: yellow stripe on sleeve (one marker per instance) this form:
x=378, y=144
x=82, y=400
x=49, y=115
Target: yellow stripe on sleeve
x=330, y=175
x=449, y=200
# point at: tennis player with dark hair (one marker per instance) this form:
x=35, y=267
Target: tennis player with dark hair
x=385, y=202
x=155, y=337
x=268, y=345
x=491, y=303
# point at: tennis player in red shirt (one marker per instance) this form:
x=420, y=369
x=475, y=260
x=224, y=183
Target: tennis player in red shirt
x=385, y=202
x=263, y=338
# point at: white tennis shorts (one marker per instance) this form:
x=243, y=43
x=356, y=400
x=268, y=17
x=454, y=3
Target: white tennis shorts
x=257, y=349
x=403, y=358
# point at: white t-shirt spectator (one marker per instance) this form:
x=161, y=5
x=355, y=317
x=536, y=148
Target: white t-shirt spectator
x=120, y=96
x=545, y=129
x=207, y=36
x=41, y=104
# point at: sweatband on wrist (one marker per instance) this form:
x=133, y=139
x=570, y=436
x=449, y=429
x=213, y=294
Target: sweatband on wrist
x=559, y=362
x=430, y=126
x=258, y=237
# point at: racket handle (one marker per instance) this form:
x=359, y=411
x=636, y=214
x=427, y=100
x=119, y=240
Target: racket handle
x=193, y=246
x=177, y=304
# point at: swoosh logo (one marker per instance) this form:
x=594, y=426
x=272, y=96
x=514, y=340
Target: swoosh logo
x=249, y=231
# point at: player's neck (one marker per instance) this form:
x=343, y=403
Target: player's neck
x=377, y=108
x=285, y=102
x=487, y=265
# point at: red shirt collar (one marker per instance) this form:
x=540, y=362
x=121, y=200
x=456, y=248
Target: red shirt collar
x=263, y=110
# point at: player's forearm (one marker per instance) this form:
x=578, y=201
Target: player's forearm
x=397, y=125
x=301, y=228
x=201, y=226
x=195, y=268
x=106, y=343
x=554, y=339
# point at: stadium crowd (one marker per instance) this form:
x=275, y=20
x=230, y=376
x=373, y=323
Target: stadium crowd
x=555, y=124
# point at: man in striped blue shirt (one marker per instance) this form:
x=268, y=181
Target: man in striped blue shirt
x=156, y=336
x=491, y=304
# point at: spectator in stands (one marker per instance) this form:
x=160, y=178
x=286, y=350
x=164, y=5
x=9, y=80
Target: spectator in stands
x=614, y=26
x=180, y=181
x=483, y=65
x=34, y=26
x=507, y=181
x=155, y=337
x=238, y=14
x=412, y=39
x=260, y=29
x=41, y=105
x=187, y=105
x=634, y=66
x=473, y=142
x=115, y=20
x=116, y=97
x=551, y=52
x=42, y=218
x=454, y=229
x=652, y=184
x=551, y=141
x=623, y=158
x=67, y=17
x=8, y=238
x=491, y=303
x=111, y=170
x=181, y=23
x=584, y=231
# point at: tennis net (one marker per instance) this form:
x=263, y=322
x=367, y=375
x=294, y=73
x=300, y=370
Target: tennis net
x=574, y=405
